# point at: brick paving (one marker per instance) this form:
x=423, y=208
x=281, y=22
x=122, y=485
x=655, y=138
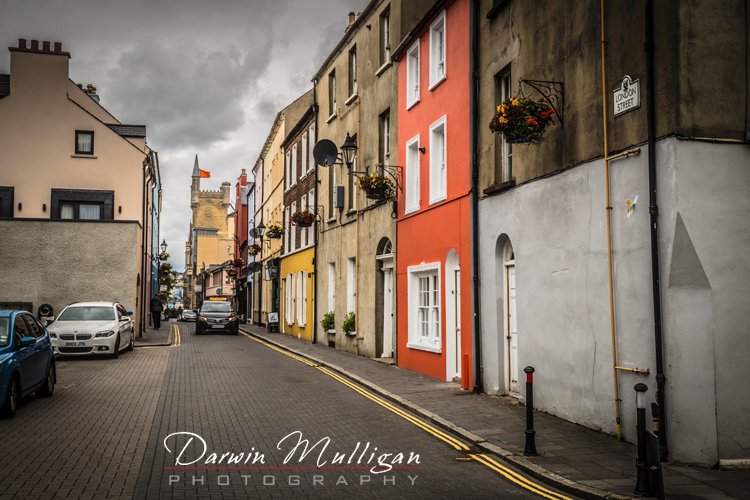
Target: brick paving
x=575, y=453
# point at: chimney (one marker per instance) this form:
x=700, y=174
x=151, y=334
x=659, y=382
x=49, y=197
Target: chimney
x=21, y=43
x=45, y=46
x=35, y=45
x=352, y=18
x=58, y=47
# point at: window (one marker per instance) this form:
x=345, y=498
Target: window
x=34, y=328
x=293, y=228
x=331, y=188
x=304, y=155
x=21, y=329
x=331, y=286
x=350, y=181
x=351, y=283
x=311, y=158
x=503, y=151
x=385, y=36
x=289, y=307
x=353, y=71
x=384, y=138
x=332, y=93
x=300, y=300
x=288, y=169
x=438, y=155
x=84, y=142
x=424, y=307
x=412, y=76
x=412, y=175
x=6, y=202
x=293, y=166
x=437, y=51
x=82, y=204
x=287, y=223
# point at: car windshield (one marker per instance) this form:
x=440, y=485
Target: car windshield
x=88, y=313
x=4, y=331
x=215, y=307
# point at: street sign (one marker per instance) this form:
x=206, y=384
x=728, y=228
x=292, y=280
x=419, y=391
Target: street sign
x=273, y=317
x=627, y=96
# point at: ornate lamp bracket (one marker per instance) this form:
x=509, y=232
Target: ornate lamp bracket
x=553, y=91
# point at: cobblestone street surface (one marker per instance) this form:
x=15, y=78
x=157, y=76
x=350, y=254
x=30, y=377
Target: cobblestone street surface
x=103, y=433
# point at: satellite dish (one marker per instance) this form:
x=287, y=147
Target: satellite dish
x=325, y=153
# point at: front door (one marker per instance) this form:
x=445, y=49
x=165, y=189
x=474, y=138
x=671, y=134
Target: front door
x=387, y=309
x=457, y=326
x=511, y=328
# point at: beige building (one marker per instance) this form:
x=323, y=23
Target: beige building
x=77, y=201
x=356, y=91
x=269, y=209
x=211, y=238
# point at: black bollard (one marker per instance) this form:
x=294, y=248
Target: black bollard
x=642, y=483
x=530, y=448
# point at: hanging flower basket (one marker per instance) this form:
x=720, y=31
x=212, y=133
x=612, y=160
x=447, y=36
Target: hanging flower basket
x=377, y=187
x=253, y=249
x=239, y=262
x=303, y=218
x=522, y=120
x=274, y=231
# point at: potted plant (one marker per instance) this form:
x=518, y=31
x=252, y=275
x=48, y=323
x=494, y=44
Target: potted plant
x=328, y=322
x=377, y=187
x=349, y=324
x=239, y=262
x=274, y=231
x=522, y=119
x=303, y=218
x=254, y=249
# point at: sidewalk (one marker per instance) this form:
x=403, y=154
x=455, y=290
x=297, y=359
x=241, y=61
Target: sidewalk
x=153, y=338
x=584, y=462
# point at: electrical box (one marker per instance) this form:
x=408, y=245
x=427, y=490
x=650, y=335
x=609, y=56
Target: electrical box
x=338, y=197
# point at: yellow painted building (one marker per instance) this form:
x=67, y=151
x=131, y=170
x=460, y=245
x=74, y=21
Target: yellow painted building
x=297, y=292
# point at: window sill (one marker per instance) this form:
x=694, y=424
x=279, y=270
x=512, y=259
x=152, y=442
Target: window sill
x=412, y=104
x=438, y=199
x=331, y=332
x=77, y=155
x=433, y=86
x=332, y=220
x=350, y=212
x=382, y=69
x=351, y=99
x=331, y=118
x=411, y=210
x=500, y=188
x=351, y=334
x=421, y=347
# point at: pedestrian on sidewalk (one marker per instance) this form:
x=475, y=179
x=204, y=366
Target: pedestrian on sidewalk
x=156, y=309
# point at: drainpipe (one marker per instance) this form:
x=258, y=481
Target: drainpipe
x=317, y=225
x=476, y=338
x=653, y=210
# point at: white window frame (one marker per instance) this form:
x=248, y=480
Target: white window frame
x=436, y=76
x=385, y=36
x=289, y=308
x=385, y=130
x=411, y=190
x=293, y=165
x=293, y=227
x=332, y=94
x=331, y=286
x=311, y=142
x=438, y=165
x=351, y=280
x=433, y=342
x=352, y=59
x=299, y=298
x=287, y=169
x=412, y=74
x=305, y=166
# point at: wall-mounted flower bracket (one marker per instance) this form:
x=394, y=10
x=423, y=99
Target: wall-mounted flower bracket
x=552, y=91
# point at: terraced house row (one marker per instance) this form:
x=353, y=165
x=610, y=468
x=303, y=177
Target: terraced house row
x=473, y=186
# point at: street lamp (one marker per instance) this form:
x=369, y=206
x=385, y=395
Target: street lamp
x=260, y=229
x=349, y=150
x=163, y=245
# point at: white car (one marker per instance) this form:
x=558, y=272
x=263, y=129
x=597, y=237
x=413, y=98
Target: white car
x=92, y=328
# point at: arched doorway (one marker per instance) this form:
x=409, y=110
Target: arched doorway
x=385, y=300
x=508, y=327
x=452, y=317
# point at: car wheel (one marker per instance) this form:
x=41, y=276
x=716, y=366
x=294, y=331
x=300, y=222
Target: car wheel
x=49, y=385
x=12, y=398
x=116, y=352
x=130, y=345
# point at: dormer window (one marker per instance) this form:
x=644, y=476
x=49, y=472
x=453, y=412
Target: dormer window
x=84, y=142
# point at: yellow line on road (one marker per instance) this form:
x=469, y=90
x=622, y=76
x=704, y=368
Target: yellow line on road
x=282, y=351
x=177, y=338
x=517, y=478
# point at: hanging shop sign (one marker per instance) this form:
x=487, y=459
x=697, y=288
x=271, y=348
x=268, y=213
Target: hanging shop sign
x=627, y=96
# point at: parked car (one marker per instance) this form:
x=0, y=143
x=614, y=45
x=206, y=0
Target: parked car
x=216, y=315
x=189, y=315
x=27, y=363
x=93, y=328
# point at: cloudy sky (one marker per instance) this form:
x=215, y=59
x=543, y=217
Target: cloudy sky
x=206, y=77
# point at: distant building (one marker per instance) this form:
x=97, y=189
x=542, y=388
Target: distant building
x=241, y=188
x=79, y=192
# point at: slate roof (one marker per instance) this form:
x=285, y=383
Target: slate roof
x=129, y=130
x=4, y=85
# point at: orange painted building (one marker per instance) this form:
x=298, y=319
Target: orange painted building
x=434, y=210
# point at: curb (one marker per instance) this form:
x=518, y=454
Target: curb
x=137, y=344
x=519, y=461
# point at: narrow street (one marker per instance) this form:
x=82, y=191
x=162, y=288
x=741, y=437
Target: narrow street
x=103, y=433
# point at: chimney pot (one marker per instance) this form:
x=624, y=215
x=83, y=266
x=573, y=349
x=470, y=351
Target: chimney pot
x=35, y=45
x=21, y=43
x=352, y=17
x=45, y=46
x=58, y=47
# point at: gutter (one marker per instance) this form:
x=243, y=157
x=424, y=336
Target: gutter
x=476, y=338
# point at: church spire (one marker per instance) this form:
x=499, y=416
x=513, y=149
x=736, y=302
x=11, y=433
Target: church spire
x=196, y=169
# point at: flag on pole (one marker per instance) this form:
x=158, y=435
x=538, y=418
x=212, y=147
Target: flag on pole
x=205, y=174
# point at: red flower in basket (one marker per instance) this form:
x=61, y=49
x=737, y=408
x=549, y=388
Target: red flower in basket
x=303, y=218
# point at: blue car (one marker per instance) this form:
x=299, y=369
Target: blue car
x=27, y=363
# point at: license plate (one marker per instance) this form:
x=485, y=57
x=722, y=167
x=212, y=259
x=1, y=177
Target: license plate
x=75, y=344
x=217, y=326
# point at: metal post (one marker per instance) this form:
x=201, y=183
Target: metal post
x=530, y=448
x=641, y=465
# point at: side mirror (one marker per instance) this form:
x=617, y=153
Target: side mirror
x=130, y=313
x=27, y=341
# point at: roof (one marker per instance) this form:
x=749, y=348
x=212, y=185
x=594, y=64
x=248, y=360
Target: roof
x=4, y=85
x=129, y=130
x=196, y=168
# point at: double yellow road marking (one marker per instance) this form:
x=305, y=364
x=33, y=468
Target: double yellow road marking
x=483, y=459
x=176, y=336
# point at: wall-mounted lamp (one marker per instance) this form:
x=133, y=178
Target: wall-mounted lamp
x=422, y=150
x=349, y=150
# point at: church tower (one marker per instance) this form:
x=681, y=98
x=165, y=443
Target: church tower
x=195, y=187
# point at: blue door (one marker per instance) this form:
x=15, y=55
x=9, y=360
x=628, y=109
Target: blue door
x=40, y=350
x=24, y=354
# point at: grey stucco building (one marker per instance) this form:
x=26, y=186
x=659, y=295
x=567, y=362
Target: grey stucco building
x=543, y=217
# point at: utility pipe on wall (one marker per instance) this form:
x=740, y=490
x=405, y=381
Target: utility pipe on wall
x=476, y=338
